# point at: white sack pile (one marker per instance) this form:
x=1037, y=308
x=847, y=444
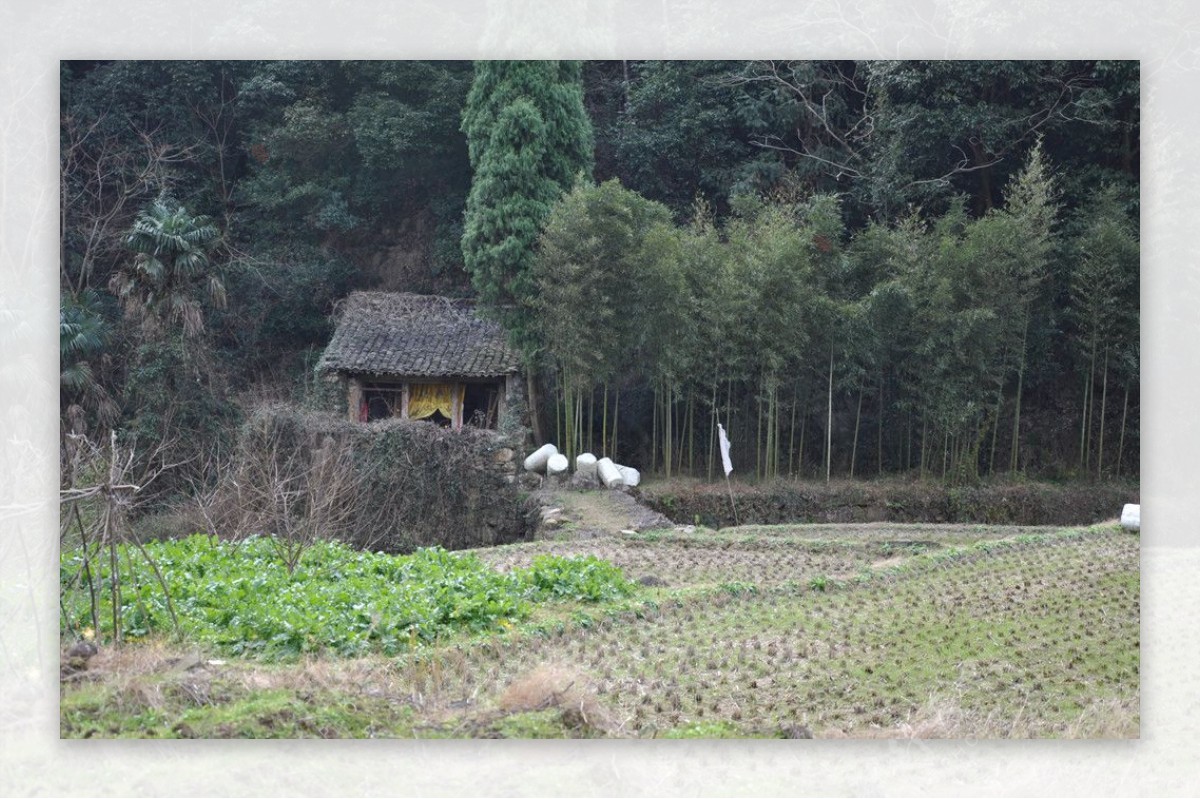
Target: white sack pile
x=629, y=475
x=549, y=461
x=585, y=464
x=610, y=477
x=557, y=464
x=536, y=462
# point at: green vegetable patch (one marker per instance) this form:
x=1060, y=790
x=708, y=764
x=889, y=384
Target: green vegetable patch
x=241, y=598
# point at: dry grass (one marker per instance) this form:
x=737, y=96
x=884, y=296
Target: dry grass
x=943, y=718
x=556, y=686
x=145, y=670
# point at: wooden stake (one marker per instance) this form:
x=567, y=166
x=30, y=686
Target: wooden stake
x=731, y=505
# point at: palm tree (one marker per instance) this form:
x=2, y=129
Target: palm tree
x=82, y=335
x=172, y=249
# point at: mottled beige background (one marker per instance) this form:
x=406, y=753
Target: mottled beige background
x=34, y=36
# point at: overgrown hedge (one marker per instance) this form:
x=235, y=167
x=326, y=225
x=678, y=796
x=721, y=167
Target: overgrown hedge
x=415, y=484
x=783, y=502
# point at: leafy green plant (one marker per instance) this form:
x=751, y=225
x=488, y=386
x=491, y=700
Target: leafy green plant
x=243, y=599
x=586, y=579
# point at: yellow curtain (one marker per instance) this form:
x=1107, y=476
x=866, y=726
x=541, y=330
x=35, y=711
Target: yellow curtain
x=425, y=398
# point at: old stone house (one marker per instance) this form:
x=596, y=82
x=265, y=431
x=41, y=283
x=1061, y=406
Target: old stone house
x=416, y=356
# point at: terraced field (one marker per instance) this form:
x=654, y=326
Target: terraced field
x=791, y=631
x=874, y=630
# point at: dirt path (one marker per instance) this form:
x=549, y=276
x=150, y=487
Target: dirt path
x=588, y=513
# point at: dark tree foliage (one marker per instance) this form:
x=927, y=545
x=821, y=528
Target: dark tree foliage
x=886, y=135
x=529, y=139
x=899, y=133
x=686, y=129
x=130, y=131
x=308, y=168
x=341, y=147
x=83, y=338
x=605, y=97
x=854, y=275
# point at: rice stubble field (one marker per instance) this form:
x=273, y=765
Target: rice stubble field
x=794, y=631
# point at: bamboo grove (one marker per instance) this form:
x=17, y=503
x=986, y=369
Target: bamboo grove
x=949, y=347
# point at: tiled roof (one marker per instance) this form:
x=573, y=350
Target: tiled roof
x=415, y=335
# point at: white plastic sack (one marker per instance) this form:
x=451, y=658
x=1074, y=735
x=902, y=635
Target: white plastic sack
x=557, y=464
x=585, y=464
x=536, y=462
x=610, y=477
x=1131, y=517
x=629, y=475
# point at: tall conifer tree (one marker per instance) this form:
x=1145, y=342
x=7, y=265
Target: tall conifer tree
x=528, y=138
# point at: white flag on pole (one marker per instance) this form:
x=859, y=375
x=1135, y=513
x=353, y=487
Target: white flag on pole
x=724, y=449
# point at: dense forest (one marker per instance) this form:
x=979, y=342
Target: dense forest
x=859, y=268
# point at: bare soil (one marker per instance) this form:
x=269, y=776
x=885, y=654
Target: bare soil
x=593, y=512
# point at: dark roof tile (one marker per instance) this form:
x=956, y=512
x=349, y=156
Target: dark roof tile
x=416, y=335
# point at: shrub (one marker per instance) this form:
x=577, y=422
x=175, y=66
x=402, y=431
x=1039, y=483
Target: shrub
x=795, y=502
x=393, y=485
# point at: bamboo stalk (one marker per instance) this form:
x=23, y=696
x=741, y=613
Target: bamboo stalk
x=775, y=432
x=616, y=415
x=996, y=428
x=691, y=432
x=680, y=442
x=908, y=443
x=829, y=423
x=668, y=432
x=1083, y=423
x=1121, y=444
x=945, y=451
x=768, y=441
x=654, y=429
x=924, y=432
x=1087, y=452
x=772, y=432
x=557, y=414
x=731, y=505
x=604, y=425
x=1015, y=457
x=800, y=454
x=857, y=420
x=729, y=405
x=792, y=434
x=712, y=431
x=879, y=430
x=565, y=433
x=1103, y=400
x=758, y=438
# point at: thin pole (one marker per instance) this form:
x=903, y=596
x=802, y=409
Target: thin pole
x=829, y=423
x=730, y=487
